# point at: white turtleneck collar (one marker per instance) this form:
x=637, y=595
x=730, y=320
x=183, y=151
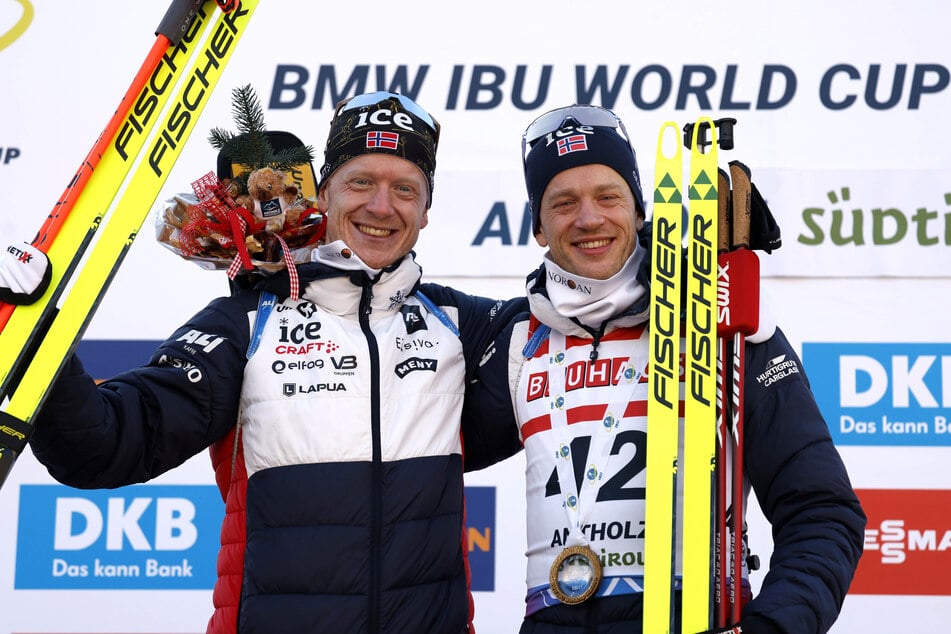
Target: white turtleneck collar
x=592, y=301
x=341, y=296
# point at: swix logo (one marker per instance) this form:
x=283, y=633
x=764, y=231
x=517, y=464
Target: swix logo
x=205, y=342
x=723, y=292
x=413, y=318
x=907, y=542
x=569, y=283
x=586, y=373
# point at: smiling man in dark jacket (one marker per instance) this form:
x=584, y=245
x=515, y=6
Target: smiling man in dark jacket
x=578, y=367
x=337, y=446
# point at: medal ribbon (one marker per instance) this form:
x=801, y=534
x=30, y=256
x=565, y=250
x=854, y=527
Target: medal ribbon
x=579, y=506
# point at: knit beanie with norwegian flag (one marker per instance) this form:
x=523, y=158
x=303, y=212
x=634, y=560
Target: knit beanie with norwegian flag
x=573, y=146
x=373, y=128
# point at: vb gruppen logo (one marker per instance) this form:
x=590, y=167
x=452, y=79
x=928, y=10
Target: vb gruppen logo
x=19, y=25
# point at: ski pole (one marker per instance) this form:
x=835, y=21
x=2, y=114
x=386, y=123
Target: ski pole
x=724, y=351
x=744, y=300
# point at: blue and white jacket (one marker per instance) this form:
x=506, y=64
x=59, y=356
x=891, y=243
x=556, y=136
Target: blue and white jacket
x=348, y=431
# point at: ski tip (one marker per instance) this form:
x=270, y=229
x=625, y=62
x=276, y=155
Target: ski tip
x=668, y=141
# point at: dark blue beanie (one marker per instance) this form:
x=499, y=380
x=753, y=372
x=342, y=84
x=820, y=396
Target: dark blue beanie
x=572, y=146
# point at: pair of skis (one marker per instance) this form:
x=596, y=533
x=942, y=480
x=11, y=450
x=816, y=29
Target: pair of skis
x=92, y=226
x=693, y=302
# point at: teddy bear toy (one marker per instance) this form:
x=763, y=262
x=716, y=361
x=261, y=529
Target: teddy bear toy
x=270, y=199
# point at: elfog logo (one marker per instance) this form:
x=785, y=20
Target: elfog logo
x=19, y=27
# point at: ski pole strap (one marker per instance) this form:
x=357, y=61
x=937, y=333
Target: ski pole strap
x=14, y=433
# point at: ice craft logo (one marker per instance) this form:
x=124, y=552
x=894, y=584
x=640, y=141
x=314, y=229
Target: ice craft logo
x=19, y=27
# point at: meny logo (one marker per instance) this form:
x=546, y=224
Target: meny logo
x=137, y=537
x=883, y=393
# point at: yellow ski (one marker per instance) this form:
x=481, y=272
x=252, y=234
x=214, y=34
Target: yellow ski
x=119, y=228
x=663, y=406
x=700, y=380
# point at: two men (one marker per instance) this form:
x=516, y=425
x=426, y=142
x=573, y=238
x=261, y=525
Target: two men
x=349, y=490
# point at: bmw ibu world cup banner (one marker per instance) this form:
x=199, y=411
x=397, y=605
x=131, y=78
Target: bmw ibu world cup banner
x=841, y=115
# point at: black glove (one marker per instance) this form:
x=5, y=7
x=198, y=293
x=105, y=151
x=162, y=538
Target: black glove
x=24, y=273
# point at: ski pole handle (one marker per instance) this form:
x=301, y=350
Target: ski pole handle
x=742, y=204
x=724, y=212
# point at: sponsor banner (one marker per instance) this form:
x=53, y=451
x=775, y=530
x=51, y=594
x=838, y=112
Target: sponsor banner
x=851, y=223
x=907, y=543
x=834, y=223
x=134, y=538
x=885, y=394
x=481, y=535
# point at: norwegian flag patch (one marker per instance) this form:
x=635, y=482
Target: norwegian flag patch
x=573, y=143
x=386, y=140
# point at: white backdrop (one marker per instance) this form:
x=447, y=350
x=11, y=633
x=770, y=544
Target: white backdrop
x=862, y=193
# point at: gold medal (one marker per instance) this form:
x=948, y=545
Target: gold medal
x=575, y=575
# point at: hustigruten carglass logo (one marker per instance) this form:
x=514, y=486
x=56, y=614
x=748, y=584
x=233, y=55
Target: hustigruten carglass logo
x=14, y=20
x=884, y=394
x=156, y=537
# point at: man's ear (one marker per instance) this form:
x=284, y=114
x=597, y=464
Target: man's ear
x=541, y=239
x=322, y=200
x=424, y=220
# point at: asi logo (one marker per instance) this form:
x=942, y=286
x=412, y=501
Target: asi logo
x=8, y=35
x=142, y=537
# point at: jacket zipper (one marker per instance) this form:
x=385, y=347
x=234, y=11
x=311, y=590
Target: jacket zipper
x=376, y=466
